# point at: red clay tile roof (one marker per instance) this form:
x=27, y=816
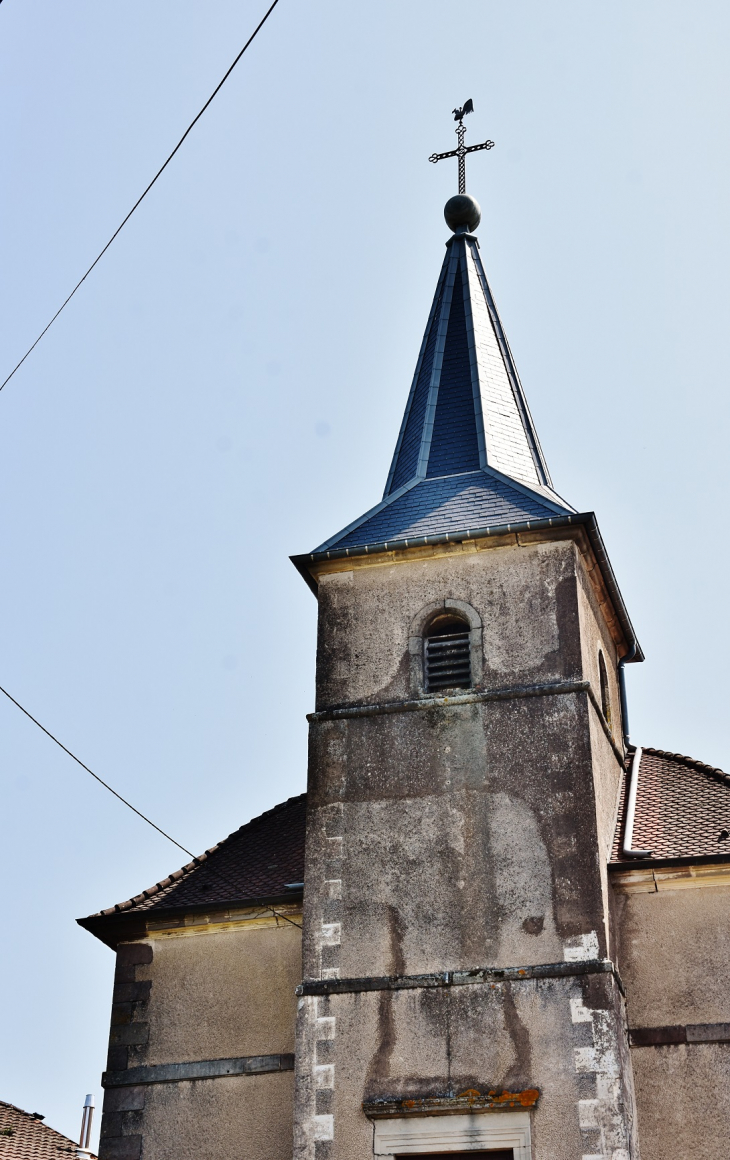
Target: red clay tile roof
x=24, y=1137
x=255, y=862
x=682, y=809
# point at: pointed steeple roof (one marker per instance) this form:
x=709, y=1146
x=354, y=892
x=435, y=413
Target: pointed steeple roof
x=467, y=455
x=466, y=408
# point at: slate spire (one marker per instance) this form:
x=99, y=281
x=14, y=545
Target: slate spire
x=466, y=408
x=467, y=455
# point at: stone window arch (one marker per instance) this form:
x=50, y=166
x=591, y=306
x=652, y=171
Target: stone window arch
x=437, y=620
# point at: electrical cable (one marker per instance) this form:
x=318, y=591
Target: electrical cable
x=139, y=200
x=198, y=861
x=159, y=173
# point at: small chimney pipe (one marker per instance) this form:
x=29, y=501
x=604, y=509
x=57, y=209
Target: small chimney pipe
x=82, y=1152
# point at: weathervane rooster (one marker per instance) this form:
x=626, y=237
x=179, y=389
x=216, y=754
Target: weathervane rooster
x=459, y=114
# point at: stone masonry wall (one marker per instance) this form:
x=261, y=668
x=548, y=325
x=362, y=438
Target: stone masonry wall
x=203, y=997
x=455, y=837
x=673, y=949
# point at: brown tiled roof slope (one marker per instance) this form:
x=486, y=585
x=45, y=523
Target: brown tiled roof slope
x=682, y=808
x=256, y=861
x=24, y=1137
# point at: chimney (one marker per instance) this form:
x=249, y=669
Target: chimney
x=82, y=1152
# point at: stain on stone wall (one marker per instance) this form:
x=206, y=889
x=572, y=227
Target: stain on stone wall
x=469, y=838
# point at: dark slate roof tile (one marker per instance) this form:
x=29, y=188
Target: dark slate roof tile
x=256, y=861
x=466, y=408
x=455, y=503
x=454, y=444
x=466, y=428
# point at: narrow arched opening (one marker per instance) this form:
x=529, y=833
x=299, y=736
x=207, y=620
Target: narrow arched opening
x=605, y=694
x=447, y=653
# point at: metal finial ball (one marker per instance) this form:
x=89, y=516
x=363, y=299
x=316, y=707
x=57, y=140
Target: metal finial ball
x=462, y=210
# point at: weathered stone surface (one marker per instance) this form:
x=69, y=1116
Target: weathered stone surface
x=218, y=996
x=673, y=951
x=458, y=837
x=683, y=1097
x=120, y=1148
x=204, y=997
x=244, y=1116
x=124, y=1099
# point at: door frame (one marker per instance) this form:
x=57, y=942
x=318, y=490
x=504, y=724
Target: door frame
x=470, y=1132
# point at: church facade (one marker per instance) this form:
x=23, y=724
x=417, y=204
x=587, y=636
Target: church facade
x=492, y=925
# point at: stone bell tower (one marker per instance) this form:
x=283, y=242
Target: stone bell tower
x=466, y=753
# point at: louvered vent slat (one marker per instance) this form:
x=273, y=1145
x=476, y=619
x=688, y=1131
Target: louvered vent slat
x=448, y=661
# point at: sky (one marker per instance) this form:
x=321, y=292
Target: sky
x=226, y=389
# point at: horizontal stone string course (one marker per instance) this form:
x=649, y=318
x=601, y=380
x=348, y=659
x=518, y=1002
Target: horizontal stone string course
x=515, y=692
x=551, y=689
x=202, y=1069
x=460, y=978
x=680, y=1033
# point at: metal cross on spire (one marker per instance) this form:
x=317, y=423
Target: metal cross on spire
x=462, y=149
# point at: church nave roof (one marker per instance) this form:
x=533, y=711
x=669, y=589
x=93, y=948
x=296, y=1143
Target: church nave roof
x=682, y=813
x=256, y=863
x=682, y=810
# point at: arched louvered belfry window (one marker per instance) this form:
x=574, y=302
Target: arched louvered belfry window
x=447, y=654
x=605, y=697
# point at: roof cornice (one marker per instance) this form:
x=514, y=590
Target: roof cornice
x=305, y=563
x=133, y=925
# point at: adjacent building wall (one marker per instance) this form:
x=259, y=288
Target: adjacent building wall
x=223, y=1119
x=219, y=995
x=191, y=995
x=673, y=949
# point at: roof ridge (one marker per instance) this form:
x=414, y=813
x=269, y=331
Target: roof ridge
x=259, y=817
x=543, y=492
x=184, y=871
x=37, y=1118
x=691, y=762
x=31, y=1115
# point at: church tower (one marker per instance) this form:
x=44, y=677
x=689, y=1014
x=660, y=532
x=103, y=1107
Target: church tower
x=426, y=954
x=466, y=757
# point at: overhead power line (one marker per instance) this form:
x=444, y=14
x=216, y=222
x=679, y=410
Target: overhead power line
x=198, y=861
x=140, y=199
x=95, y=775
